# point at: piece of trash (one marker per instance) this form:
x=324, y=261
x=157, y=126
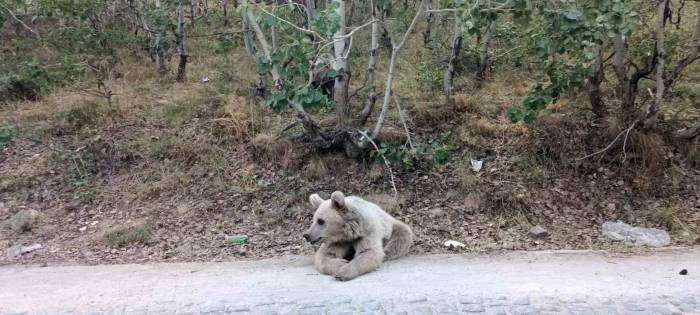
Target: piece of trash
x=30, y=248
x=205, y=79
x=454, y=244
x=82, y=229
x=94, y=222
x=476, y=165
x=621, y=231
x=684, y=272
x=237, y=239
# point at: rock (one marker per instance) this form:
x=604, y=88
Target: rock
x=683, y=272
x=23, y=221
x=437, y=212
x=620, y=231
x=13, y=252
x=17, y=250
x=538, y=232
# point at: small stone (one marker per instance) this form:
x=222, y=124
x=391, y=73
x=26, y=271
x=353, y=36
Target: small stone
x=523, y=300
x=683, y=272
x=538, y=232
x=417, y=300
x=13, y=252
x=423, y=310
x=82, y=229
x=437, y=212
x=238, y=309
x=472, y=308
x=471, y=300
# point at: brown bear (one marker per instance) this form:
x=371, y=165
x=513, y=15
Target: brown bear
x=356, y=236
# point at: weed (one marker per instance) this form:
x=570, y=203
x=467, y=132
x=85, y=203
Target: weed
x=8, y=133
x=127, y=235
x=81, y=173
x=434, y=151
x=429, y=76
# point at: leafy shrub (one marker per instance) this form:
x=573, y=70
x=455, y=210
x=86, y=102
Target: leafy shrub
x=8, y=133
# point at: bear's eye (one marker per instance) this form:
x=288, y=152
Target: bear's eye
x=320, y=221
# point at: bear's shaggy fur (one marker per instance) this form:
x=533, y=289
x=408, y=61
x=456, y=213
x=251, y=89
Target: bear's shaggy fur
x=356, y=236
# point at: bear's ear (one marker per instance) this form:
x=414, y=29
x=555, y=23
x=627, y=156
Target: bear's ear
x=338, y=199
x=315, y=200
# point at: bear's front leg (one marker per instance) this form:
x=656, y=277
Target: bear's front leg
x=369, y=257
x=326, y=259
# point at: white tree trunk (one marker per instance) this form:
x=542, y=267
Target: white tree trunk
x=160, y=63
x=378, y=13
x=653, y=110
x=392, y=66
x=448, y=85
x=484, y=53
x=340, y=88
x=274, y=71
x=181, y=50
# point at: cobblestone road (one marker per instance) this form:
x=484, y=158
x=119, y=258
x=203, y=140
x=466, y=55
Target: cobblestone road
x=514, y=283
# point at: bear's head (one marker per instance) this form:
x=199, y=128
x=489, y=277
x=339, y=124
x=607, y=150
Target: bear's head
x=333, y=222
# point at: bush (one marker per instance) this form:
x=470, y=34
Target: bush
x=8, y=133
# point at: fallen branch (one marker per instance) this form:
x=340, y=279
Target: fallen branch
x=689, y=132
x=626, y=131
x=403, y=122
x=386, y=163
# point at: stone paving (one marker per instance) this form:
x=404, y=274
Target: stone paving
x=466, y=304
x=515, y=283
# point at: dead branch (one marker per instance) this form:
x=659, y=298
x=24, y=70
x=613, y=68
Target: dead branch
x=626, y=131
x=386, y=163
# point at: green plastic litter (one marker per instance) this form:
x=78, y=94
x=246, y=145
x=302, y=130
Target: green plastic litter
x=237, y=239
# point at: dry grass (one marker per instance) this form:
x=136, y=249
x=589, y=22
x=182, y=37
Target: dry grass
x=315, y=168
x=236, y=117
x=273, y=150
x=123, y=236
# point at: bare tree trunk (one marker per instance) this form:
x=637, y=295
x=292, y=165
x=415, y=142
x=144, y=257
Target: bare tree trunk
x=625, y=92
x=224, y=8
x=392, y=65
x=248, y=36
x=378, y=13
x=692, y=56
x=340, y=89
x=484, y=53
x=160, y=63
x=205, y=7
x=653, y=110
x=192, y=12
x=428, y=24
x=594, y=93
x=181, y=68
x=311, y=12
x=303, y=116
x=448, y=86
